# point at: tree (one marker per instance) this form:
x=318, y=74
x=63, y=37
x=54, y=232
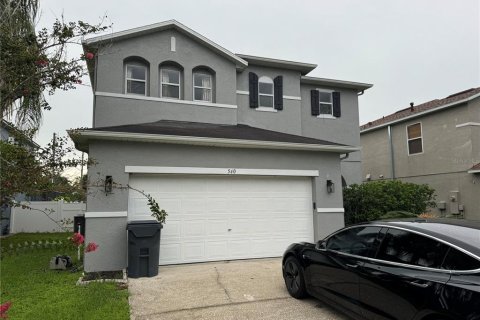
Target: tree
x=372, y=200
x=37, y=172
x=32, y=63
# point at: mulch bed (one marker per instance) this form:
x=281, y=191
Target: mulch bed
x=102, y=275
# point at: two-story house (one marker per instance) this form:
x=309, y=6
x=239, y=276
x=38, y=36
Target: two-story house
x=435, y=143
x=244, y=153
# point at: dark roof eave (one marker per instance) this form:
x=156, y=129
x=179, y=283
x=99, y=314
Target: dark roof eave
x=359, y=86
x=82, y=138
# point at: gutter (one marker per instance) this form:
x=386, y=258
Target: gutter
x=81, y=139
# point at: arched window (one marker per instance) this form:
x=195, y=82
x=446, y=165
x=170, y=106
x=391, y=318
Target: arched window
x=171, y=79
x=265, y=92
x=136, y=76
x=203, y=84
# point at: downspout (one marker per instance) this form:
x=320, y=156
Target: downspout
x=390, y=145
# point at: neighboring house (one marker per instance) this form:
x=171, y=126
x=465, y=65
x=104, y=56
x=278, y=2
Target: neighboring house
x=10, y=134
x=243, y=152
x=437, y=143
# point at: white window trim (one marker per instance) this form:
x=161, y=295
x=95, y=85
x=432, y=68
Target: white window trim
x=134, y=79
x=408, y=140
x=200, y=87
x=270, y=81
x=266, y=109
x=326, y=115
x=181, y=102
x=171, y=84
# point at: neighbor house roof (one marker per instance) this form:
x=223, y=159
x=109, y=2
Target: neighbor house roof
x=130, y=33
x=303, y=67
x=421, y=109
x=18, y=134
x=209, y=134
x=475, y=169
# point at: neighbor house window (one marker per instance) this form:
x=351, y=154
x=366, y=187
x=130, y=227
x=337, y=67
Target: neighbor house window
x=170, y=83
x=202, y=86
x=326, y=102
x=136, y=79
x=265, y=92
x=414, y=137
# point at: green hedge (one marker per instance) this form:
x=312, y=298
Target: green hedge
x=372, y=200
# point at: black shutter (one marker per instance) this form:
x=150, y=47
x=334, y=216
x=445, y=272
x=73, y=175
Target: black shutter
x=336, y=104
x=253, y=89
x=278, y=92
x=315, y=95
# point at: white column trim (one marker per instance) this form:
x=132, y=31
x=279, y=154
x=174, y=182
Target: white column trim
x=112, y=214
x=221, y=171
x=330, y=210
x=243, y=92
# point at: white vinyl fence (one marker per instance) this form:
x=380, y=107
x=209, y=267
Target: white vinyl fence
x=28, y=220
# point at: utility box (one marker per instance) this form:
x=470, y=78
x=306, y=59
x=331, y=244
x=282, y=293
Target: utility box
x=454, y=199
x=143, y=248
x=441, y=205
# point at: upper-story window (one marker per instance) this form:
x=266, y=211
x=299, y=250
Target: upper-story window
x=136, y=79
x=170, y=86
x=202, y=86
x=325, y=103
x=414, y=138
x=265, y=92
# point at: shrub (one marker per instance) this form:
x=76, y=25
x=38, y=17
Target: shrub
x=372, y=200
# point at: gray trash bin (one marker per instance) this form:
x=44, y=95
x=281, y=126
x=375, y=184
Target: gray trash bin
x=143, y=248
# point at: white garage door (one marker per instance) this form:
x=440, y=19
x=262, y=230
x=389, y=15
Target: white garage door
x=225, y=217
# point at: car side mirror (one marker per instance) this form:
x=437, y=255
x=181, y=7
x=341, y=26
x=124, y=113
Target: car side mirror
x=321, y=245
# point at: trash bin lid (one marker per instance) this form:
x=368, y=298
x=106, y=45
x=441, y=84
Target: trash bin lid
x=144, y=228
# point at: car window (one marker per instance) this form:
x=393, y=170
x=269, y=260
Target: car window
x=361, y=241
x=457, y=260
x=410, y=248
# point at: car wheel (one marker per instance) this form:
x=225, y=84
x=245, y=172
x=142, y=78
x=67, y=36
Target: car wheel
x=294, y=279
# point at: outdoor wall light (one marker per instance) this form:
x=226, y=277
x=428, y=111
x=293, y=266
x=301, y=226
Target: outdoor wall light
x=108, y=184
x=330, y=186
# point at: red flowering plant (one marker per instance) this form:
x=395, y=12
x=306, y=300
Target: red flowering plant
x=4, y=309
x=79, y=241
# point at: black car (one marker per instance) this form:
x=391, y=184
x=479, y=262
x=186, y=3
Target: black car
x=415, y=269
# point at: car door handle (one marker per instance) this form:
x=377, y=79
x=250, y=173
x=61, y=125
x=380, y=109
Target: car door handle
x=305, y=257
x=352, y=265
x=420, y=284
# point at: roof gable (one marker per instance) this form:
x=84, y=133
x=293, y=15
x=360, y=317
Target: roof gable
x=165, y=25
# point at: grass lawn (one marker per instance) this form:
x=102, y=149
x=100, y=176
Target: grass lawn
x=36, y=292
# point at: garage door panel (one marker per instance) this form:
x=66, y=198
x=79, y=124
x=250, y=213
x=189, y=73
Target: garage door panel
x=217, y=227
x=264, y=215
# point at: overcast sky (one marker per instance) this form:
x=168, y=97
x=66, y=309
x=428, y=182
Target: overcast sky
x=410, y=50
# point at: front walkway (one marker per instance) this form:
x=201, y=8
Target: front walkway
x=243, y=289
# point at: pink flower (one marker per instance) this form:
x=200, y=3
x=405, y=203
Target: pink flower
x=91, y=246
x=77, y=239
x=89, y=55
x=3, y=310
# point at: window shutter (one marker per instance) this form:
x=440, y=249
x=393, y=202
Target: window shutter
x=315, y=95
x=253, y=89
x=278, y=92
x=336, y=104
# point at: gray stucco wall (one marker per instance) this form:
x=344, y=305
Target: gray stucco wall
x=112, y=157
x=112, y=111
x=155, y=48
x=448, y=152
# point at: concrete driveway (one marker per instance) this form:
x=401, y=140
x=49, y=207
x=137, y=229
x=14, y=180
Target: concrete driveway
x=242, y=289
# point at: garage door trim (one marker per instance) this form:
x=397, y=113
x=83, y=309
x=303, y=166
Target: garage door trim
x=221, y=171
